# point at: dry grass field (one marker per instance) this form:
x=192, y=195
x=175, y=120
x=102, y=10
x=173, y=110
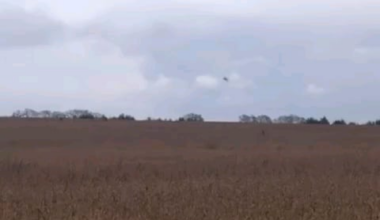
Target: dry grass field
x=173, y=171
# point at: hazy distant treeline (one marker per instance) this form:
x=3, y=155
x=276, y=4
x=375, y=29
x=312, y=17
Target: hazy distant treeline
x=260, y=119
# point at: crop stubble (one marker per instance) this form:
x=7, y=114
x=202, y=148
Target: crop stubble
x=149, y=170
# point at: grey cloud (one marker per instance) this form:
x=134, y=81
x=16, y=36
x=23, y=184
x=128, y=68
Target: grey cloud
x=371, y=38
x=281, y=59
x=225, y=46
x=195, y=44
x=21, y=28
x=293, y=55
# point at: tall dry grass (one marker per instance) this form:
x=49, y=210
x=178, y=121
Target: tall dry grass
x=267, y=182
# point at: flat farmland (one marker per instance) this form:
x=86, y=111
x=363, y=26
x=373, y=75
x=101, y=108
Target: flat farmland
x=169, y=170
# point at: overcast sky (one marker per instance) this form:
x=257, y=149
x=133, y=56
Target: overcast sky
x=167, y=58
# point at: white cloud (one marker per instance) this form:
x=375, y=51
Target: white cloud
x=299, y=11
x=238, y=82
x=315, y=90
x=365, y=54
x=246, y=61
x=317, y=11
x=75, y=75
x=163, y=81
x=207, y=82
x=108, y=86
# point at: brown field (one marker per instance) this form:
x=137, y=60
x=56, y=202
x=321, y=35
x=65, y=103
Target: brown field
x=173, y=171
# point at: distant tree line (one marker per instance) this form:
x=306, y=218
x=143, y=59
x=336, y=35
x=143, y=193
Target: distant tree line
x=191, y=117
x=294, y=119
x=373, y=123
x=88, y=115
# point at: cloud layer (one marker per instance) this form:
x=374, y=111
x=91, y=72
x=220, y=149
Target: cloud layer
x=166, y=58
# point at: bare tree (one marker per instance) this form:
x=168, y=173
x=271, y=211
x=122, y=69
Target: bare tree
x=192, y=117
x=264, y=119
x=245, y=118
x=289, y=119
